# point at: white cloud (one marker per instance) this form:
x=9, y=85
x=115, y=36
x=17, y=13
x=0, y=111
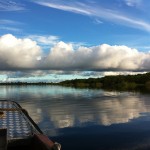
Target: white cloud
x=10, y=25
x=111, y=73
x=97, y=21
x=133, y=2
x=94, y=10
x=11, y=22
x=8, y=5
x=44, y=39
x=72, y=7
x=102, y=57
x=19, y=54
x=13, y=29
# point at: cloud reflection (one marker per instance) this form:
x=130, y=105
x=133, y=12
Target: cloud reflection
x=100, y=111
x=60, y=107
x=120, y=111
x=35, y=112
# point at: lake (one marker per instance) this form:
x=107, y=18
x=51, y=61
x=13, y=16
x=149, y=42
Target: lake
x=86, y=119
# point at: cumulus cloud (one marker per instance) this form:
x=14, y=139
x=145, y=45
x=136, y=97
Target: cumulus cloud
x=20, y=54
x=102, y=57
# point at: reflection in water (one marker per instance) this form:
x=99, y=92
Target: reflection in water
x=68, y=107
x=120, y=110
x=59, y=109
x=99, y=111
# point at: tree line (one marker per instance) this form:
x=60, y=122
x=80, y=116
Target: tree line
x=118, y=82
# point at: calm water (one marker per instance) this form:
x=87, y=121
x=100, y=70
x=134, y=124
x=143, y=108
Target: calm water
x=84, y=119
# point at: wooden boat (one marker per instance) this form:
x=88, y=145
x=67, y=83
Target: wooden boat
x=19, y=132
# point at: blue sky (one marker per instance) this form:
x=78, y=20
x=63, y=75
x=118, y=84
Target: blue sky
x=53, y=40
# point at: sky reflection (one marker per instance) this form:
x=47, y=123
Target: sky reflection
x=69, y=107
x=79, y=116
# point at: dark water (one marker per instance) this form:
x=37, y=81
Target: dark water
x=84, y=119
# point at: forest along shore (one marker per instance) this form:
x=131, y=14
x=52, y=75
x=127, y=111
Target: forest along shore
x=118, y=82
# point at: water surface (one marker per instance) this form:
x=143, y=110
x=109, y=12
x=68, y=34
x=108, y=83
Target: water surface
x=86, y=119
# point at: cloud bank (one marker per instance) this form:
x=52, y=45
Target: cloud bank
x=25, y=54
